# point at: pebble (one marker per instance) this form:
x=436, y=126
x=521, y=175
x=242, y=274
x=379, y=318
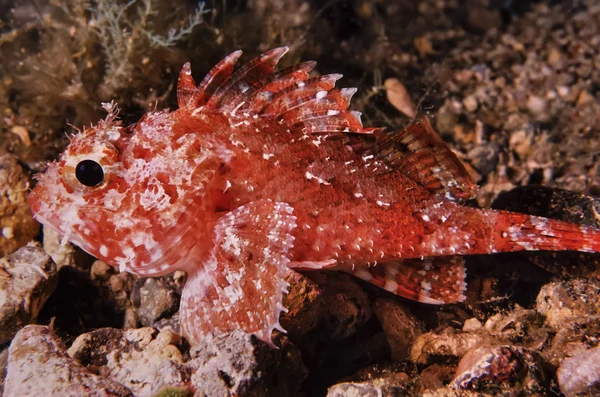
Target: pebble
x=38, y=366
x=580, y=375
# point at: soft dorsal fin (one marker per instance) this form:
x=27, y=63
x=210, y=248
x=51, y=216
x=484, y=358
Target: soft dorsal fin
x=419, y=153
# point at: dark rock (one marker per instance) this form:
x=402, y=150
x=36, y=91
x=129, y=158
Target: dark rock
x=435, y=376
x=39, y=366
x=80, y=303
x=400, y=326
x=344, y=307
x=27, y=278
x=303, y=302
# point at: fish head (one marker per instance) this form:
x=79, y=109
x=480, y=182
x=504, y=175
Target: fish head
x=123, y=194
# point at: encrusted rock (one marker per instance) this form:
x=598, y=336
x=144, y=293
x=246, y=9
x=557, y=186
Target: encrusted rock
x=374, y=388
x=132, y=357
x=568, y=301
x=388, y=380
x=400, y=326
x=519, y=326
x=17, y=226
x=239, y=364
x=27, y=278
x=449, y=342
x=580, y=375
x=38, y=366
x=506, y=370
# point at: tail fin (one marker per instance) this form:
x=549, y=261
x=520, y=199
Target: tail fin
x=521, y=232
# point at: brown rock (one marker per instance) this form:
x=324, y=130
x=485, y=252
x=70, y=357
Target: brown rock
x=401, y=327
x=17, y=226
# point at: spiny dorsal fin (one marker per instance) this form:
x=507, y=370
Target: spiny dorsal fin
x=228, y=96
x=288, y=95
x=191, y=97
x=419, y=153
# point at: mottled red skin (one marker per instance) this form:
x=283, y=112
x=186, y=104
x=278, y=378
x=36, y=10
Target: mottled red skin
x=387, y=232
x=258, y=172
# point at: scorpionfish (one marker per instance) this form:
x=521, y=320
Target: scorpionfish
x=261, y=171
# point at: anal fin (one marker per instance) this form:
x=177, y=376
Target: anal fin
x=437, y=280
x=240, y=283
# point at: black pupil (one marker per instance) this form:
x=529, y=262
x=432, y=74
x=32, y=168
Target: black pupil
x=89, y=173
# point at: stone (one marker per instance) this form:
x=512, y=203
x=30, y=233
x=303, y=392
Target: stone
x=580, y=375
x=17, y=226
x=154, y=299
x=38, y=366
x=133, y=357
x=239, y=364
x=27, y=278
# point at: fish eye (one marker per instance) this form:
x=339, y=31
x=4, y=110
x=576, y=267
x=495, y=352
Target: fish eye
x=89, y=173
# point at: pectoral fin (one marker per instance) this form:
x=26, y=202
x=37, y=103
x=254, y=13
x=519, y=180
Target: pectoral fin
x=240, y=284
